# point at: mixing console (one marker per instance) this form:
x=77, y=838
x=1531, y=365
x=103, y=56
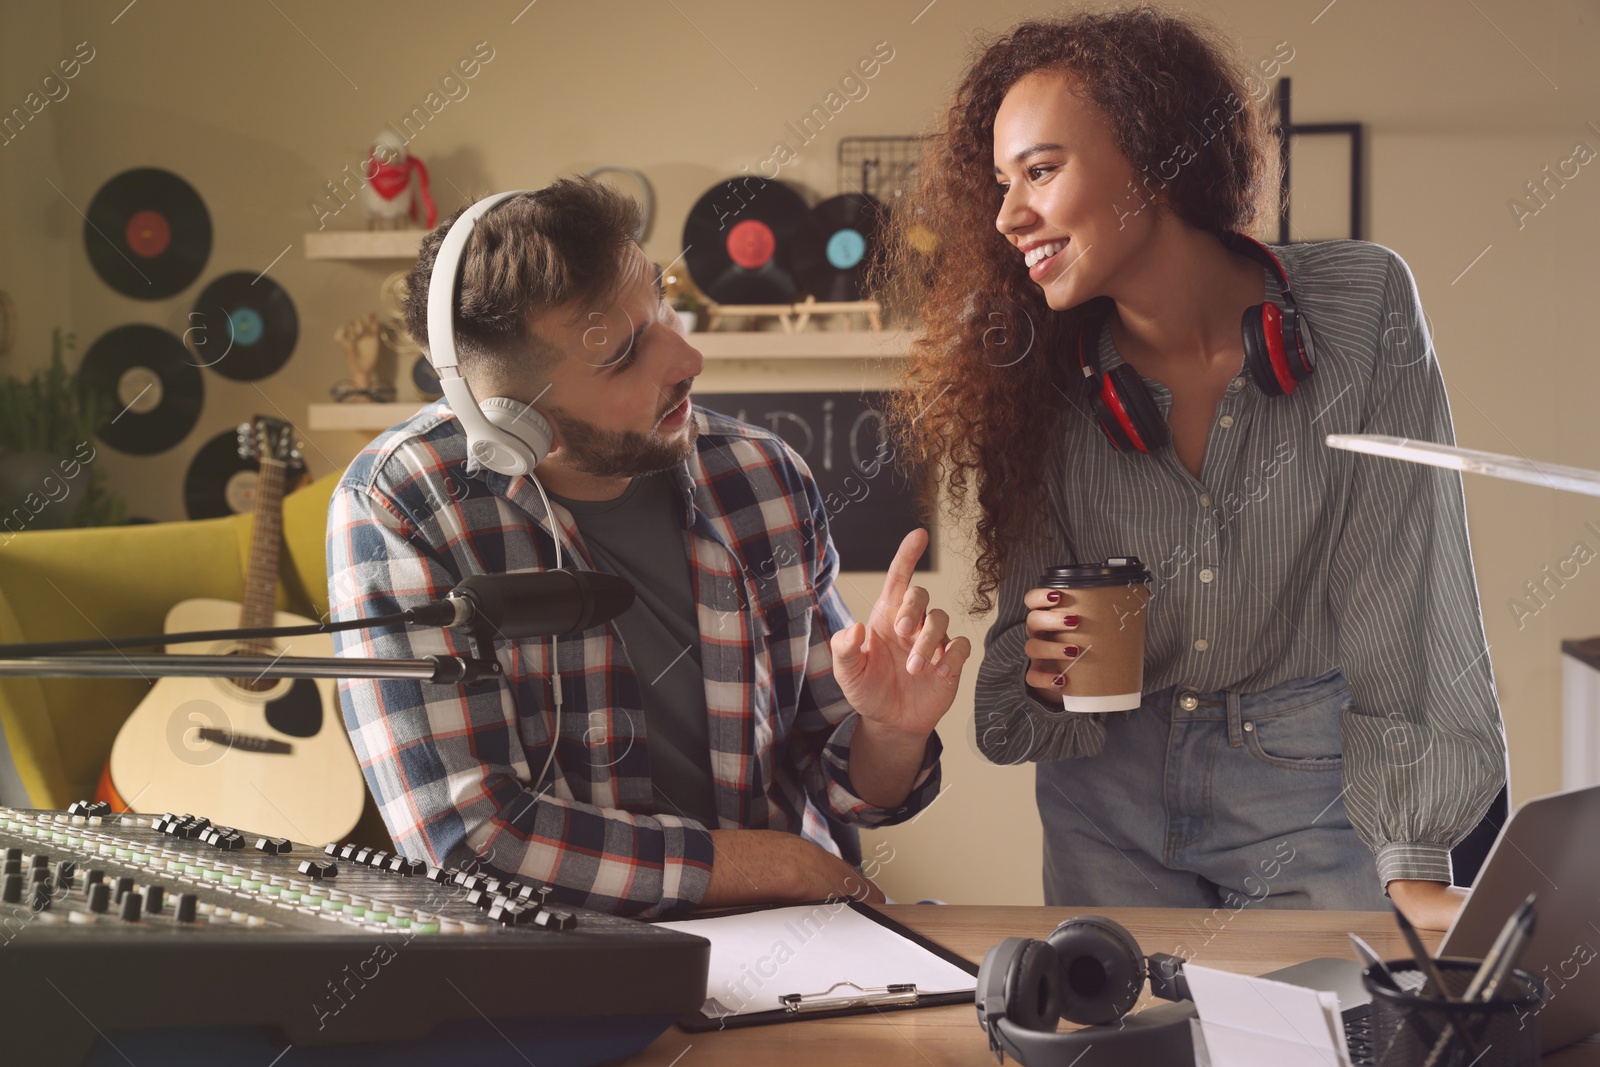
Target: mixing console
x=191, y=942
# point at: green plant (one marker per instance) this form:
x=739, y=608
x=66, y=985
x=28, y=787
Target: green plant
x=50, y=414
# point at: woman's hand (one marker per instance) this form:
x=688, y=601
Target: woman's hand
x=1429, y=905
x=1051, y=650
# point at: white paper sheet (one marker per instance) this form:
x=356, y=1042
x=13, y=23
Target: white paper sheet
x=760, y=956
x=1259, y=1022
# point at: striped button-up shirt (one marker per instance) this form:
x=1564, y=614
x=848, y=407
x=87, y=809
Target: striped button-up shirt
x=1286, y=558
x=452, y=767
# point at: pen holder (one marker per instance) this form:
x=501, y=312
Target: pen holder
x=1409, y=1030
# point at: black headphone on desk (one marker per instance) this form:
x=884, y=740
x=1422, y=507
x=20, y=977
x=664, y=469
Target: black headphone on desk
x=1089, y=970
x=1279, y=354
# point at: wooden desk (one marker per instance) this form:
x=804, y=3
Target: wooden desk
x=1250, y=942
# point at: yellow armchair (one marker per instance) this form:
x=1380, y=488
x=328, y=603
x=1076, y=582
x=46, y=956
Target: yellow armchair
x=63, y=585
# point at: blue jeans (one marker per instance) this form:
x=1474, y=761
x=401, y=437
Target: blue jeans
x=1199, y=799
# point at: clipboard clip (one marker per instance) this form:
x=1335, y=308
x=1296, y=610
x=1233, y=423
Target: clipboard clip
x=863, y=997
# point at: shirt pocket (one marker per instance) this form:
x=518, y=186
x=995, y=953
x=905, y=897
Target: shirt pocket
x=1304, y=736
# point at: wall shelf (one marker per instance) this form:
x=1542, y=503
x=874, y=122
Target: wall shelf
x=364, y=244
x=722, y=345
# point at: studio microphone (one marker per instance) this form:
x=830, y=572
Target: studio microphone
x=531, y=604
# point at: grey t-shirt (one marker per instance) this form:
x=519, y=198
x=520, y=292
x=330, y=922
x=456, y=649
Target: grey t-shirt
x=639, y=536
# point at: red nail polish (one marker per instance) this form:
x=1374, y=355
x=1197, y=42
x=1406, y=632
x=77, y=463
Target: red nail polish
x=1070, y=650
x=1059, y=680
x=1070, y=620
x=1054, y=598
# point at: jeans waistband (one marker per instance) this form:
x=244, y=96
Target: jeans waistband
x=1232, y=706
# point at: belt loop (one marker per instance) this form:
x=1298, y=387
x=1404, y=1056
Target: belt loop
x=1235, y=719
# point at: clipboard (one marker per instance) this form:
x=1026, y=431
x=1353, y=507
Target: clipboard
x=843, y=998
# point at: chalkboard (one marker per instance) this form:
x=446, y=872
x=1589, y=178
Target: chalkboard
x=870, y=493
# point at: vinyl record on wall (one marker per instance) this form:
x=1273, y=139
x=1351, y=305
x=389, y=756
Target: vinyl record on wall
x=147, y=233
x=836, y=247
x=738, y=240
x=146, y=386
x=243, y=326
x=220, y=482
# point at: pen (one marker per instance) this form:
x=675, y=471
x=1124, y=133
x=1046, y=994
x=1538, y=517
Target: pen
x=1520, y=935
x=1370, y=958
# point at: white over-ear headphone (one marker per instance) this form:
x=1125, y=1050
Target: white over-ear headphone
x=503, y=434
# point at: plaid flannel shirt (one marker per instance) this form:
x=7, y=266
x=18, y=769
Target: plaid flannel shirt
x=452, y=766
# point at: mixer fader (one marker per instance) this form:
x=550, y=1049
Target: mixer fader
x=168, y=933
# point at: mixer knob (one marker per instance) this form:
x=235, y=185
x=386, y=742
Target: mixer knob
x=99, y=897
x=362, y=854
x=13, y=867
x=12, y=854
x=41, y=860
x=317, y=870
x=436, y=874
x=130, y=907
x=94, y=875
x=409, y=868
x=154, y=895
x=275, y=846
x=330, y=849
x=186, y=903
x=509, y=913
x=64, y=872
x=555, y=920
x=482, y=898
x=124, y=887
x=40, y=898
x=12, y=894
x=347, y=851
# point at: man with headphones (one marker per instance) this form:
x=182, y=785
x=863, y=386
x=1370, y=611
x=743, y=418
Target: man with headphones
x=715, y=744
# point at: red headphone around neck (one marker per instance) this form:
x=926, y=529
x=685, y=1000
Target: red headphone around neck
x=1279, y=353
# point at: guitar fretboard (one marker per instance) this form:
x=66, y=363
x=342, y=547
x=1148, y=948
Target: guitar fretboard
x=261, y=575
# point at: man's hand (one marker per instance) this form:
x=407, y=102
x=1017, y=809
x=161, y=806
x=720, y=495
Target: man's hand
x=1429, y=905
x=898, y=669
x=774, y=867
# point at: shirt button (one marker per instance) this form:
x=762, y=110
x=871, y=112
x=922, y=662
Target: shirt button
x=1235, y=385
x=1205, y=500
x=1206, y=574
x=1225, y=421
x=1188, y=702
x=1201, y=645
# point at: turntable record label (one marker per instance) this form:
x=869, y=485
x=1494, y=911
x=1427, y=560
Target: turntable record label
x=751, y=244
x=243, y=326
x=846, y=248
x=147, y=233
x=139, y=390
x=147, y=390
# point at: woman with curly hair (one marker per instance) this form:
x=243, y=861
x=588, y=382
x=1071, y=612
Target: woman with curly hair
x=1112, y=368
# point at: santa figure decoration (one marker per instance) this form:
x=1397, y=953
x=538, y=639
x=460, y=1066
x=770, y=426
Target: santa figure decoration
x=388, y=199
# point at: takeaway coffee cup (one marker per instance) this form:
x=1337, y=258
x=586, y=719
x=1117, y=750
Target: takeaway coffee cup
x=1110, y=599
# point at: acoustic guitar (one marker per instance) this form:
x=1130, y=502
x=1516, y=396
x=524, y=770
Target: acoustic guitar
x=269, y=756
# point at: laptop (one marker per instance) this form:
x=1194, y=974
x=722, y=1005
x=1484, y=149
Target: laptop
x=1550, y=846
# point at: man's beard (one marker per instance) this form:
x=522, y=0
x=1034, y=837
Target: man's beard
x=620, y=453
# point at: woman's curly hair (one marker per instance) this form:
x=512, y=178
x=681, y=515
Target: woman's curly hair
x=986, y=386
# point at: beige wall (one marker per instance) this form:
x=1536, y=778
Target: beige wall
x=257, y=105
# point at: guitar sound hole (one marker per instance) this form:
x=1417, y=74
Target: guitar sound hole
x=298, y=712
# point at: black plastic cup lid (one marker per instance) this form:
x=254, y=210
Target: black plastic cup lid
x=1118, y=570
